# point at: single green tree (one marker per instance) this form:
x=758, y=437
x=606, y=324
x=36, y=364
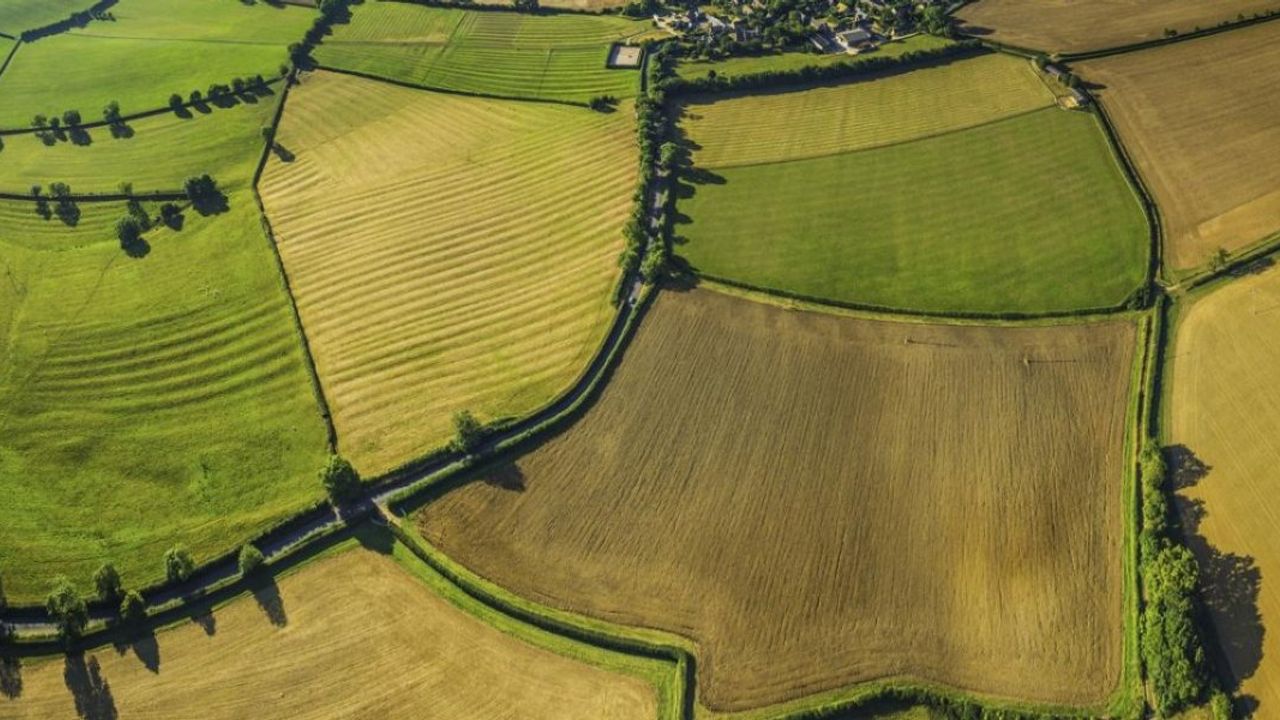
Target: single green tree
x=340, y=480
x=133, y=609
x=467, y=432
x=178, y=564
x=251, y=559
x=107, y=582
x=67, y=609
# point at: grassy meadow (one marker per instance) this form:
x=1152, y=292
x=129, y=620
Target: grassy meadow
x=159, y=154
x=407, y=645
x=960, y=188
x=516, y=55
x=820, y=501
x=446, y=252
x=1072, y=27
x=17, y=16
x=1217, y=192
x=148, y=53
x=144, y=401
x=690, y=69
x=1222, y=410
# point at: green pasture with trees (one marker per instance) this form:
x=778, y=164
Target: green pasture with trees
x=148, y=399
x=143, y=56
x=154, y=154
x=505, y=54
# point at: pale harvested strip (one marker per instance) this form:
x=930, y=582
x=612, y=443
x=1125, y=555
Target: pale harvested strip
x=446, y=253
x=146, y=53
x=347, y=636
x=1199, y=120
x=1068, y=26
x=557, y=57
x=772, y=127
x=1225, y=408
x=819, y=501
x=163, y=151
x=146, y=401
x=19, y=15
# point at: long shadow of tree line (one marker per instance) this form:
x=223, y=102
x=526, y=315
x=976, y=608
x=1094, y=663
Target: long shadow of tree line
x=1230, y=583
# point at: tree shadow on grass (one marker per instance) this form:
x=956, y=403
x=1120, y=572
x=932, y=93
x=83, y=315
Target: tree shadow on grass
x=267, y=594
x=136, y=249
x=1230, y=583
x=10, y=677
x=88, y=688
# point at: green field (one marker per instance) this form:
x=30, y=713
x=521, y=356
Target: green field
x=504, y=54
x=956, y=200
x=144, y=401
x=147, y=54
x=776, y=62
x=19, y=15
x=163, y=151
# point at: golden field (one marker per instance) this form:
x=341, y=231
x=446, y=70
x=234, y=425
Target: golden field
x=1198, y=120
x=351, y=635
x=1071, y=26
x=1223, y=411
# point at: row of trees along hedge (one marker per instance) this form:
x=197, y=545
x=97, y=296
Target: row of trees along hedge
x=1172, y=650
x=818, y=73
x=653, y=131
x=331, y=11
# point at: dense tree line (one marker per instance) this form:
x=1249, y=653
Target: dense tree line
x=1172, y=649
x=816, y=73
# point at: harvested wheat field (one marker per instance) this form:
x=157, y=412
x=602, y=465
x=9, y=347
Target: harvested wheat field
x=1072, y=26
x=1224, y=409
x=397, y=650
x=820, y=501
x=446, y=252
x=1217, y=190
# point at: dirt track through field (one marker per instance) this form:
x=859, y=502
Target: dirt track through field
x=821, y=501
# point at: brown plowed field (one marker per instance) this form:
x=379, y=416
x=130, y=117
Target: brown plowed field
x=1199, y=120
x=819, y=501
x=1071, y=26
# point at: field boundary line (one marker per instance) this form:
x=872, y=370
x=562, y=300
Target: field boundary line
x=444, y=91
x=186, y=104
x=158, y=195
x=1245, y=257
x=8, y=58
x=940, y=317
x=1150, y=210
x=895, y=143
x=81, y=18
x=317, y=388
x=1226, y=26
